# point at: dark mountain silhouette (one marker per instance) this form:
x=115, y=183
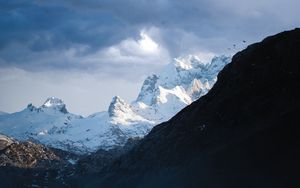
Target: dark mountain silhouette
x=243, y=133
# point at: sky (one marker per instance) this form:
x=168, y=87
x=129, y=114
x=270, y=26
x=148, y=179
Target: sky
x=87, y=51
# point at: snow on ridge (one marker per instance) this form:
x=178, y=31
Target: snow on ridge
x=177, y=85
x=121, y=113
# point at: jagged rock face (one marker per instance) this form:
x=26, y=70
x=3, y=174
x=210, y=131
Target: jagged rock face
x=243, y=133
x=118, y=107
x=148, y=89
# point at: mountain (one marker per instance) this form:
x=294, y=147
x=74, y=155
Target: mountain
x=54, y=104
x=51, y=124
x=178, y=85
x=161, y=96
x=243, y=133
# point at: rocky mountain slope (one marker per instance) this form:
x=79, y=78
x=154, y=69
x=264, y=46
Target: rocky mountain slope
x=27, y=164
x=243, y=133
x=161, y=97
x=23, y=155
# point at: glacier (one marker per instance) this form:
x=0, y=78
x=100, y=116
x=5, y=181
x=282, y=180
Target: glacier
x=162, y=95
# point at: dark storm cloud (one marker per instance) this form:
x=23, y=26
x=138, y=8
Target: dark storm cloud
x=86, y=51
x=31, y=31
x=45, y=27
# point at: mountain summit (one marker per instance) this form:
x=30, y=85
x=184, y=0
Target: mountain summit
x=55, y=103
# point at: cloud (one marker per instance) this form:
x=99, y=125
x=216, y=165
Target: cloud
x=55, y=27
x=128, y=55
x=125, y=39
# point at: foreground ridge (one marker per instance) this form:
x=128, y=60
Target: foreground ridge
x=243, y=133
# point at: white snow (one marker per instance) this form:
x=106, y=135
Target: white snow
x=161, y=97
x=179, y=84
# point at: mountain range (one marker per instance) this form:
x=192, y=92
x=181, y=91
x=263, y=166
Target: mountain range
x=162, y=95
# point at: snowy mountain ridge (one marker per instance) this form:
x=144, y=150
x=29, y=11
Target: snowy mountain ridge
x=161, y=97
x=178, y=85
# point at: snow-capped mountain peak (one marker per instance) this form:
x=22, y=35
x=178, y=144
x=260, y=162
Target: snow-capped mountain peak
x=56, y=104
x=117, y=107
x=177, y=85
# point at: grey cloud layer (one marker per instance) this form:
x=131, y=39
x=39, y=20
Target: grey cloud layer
x=33, y=33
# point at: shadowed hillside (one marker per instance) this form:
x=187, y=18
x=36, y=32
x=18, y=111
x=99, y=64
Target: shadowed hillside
x=243, y=133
